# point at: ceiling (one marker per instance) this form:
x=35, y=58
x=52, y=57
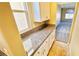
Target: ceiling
x=67, y=5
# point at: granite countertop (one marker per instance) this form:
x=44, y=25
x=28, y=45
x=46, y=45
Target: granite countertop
x=34, y=41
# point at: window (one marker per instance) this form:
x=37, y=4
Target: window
x=36, y=9
x=69, y=14
x=20, y=14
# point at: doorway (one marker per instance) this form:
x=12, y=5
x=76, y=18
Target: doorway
x=64, y=19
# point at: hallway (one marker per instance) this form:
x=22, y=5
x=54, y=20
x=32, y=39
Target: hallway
x=62, y=31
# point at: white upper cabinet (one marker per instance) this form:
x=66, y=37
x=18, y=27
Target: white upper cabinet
x=41, y=11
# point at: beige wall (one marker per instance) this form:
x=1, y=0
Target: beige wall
x=10, y=40
x=74, y=42
x=4, y=45
x=53, y=12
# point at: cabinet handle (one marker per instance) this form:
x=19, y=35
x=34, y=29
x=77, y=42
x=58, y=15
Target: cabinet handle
x=38, y=52
x=43, y=51
x=46, y=41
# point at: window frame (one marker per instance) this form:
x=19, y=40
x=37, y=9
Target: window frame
x=69, y=12
x=26, y=11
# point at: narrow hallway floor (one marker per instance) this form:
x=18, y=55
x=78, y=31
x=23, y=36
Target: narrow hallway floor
x=63, y=30
x=58, y=49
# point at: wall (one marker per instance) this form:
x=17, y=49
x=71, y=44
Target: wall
x=58, y=15
x=10, y=40
x=4, y=45
x=64, y=12
x=74, y=42
x=53, y=11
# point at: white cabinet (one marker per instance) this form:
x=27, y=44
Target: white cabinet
x=52, y=38
x=45, y=47
x=39, y=52
x=41, y=11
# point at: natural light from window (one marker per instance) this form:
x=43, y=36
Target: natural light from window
x=19, y=11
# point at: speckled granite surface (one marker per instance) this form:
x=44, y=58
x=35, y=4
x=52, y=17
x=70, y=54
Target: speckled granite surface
x=33, y=41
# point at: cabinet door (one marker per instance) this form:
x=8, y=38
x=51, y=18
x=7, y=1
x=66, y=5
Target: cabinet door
x=52, y=38
x=45, y=10
x=39, y=52
x=43, y=50
x=46, y=47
